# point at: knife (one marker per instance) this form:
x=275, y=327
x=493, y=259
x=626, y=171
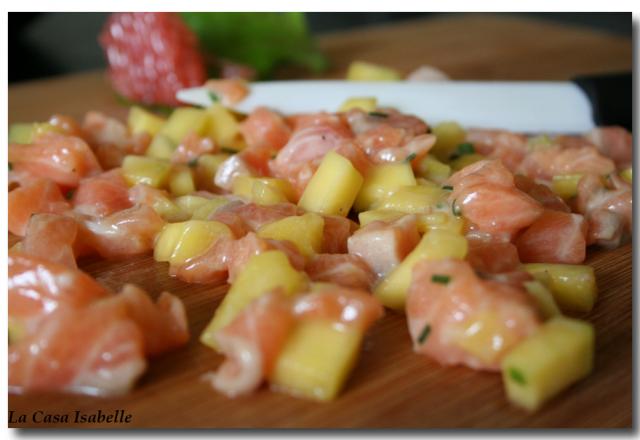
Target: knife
x=523, y=106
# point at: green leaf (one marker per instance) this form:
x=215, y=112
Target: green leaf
x=442, y=279
x=424, y=334
x=517, y=376
x=263, y=40
x=410, y=158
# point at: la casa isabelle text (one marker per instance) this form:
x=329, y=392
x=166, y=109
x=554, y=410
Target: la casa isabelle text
x=38, y=416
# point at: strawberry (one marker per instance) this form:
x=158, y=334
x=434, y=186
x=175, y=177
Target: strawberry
x=151, y=56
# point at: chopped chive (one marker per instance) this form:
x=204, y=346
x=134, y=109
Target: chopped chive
x=424, y=334
x=213, y=96
x=465, y=148
x=228, y=150
x=10, y=166
x=447, y=187
x=193, y=163
x=273, y=156
x=378, y=114
x=410, y=158
x=439, y=205
x=69, y=194
x=517, y=376
x=457, y=211
x=442, y=279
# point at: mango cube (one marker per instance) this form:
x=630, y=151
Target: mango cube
x=448, y=136
x=365, y=71
x=543, y=298
x=365, y=104
x=305, y=231
x=627, y=175
x=181, y=181
x=263, y=190
x=316, y=360
x=223, y=127
x=465, y=160
x=148, y=170
x=333, y=188
x=431, y=168
x=143, y=121
x=185, y=120
x=206, y=169
x=566, y=185
x=262, y=274
x=27, y=133
x=366, y=217
x=177, y=242
x=440, y=220
x=161, y=147
x=559, y=354
x=434, y=245
x=381, y=181
x=573, y=285
x=416, y=199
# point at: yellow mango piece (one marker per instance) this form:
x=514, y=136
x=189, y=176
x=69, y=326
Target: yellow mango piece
x=440, y=220
x=17, y=330
x=365, y=71
x=263, y=190
x=181, y=181
x=185, y=120
x=223, y=127
x=431, y=168
x=161, y=147
x=143, y=121
x=316, y=360
x=190, y=203
x=27, y=133
x=434, y=245
x=448, y=136
x=627, y=175
x=305, y=231
x=381, y=181
x=177, y=242
x=559, y=354
x=416, y=199
x=206, y=168
x=148, y=170
x=543, y=298
x=262, y=273
x=365, y=104
x=573, y=285
x=566, y=185
x=169, y=210
x=333, y=188
x=366, y=217
x=465, y=160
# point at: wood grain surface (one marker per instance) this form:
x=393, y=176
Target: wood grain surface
x=390, y=387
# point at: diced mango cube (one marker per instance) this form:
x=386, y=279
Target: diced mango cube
x=305, y=231
x=177, y=242
x=148, y=170
x=366, y=217
x=381, y=181
x=465, y=160
x=263, y=190
x=316, y=360
x=559, y=354
x=143, y=121
x=566, y=185
x=440, y=220
x=181, y=181
x=223, y=127
x=365, y=104
x=431, y=168
x=206, y=169
x=543, y=298
x=627, y=175
x=416, y=199
x=448, y=136
x=161, y=147
x=262, y=274
x=573, y=285
x=365, y=71
x=333, y=188
x=434, y=245
x=185, y=120
x=27, y=133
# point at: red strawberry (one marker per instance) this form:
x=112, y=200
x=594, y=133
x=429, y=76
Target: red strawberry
x=151, y=56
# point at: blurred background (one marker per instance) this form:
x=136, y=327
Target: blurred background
x=49, y=44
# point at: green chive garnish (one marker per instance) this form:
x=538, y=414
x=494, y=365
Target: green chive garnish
x=213, y=96
x=10, y=166
x=378, y=114
x=465, y=148
x=424, y=334
x=442, y=279
x=228, y=150
x=410, y=158
x=69, y=194
x=447, y=187
x=517, y=376
x=193, y=163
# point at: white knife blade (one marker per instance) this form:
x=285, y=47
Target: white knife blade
x=531, y=107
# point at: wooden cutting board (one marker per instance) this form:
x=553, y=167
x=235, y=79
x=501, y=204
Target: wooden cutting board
x=390, y=387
